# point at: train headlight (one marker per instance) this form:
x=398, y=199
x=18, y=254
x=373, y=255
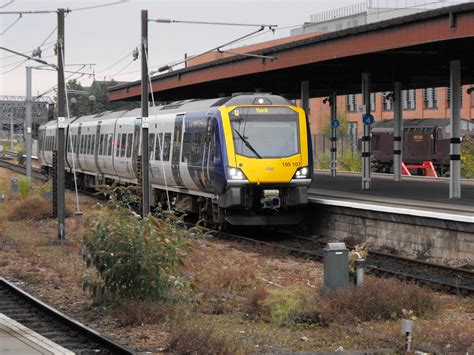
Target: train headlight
x=302, y=173
x=235, y=174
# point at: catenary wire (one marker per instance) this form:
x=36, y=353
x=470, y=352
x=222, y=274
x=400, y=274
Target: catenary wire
x=11, y=25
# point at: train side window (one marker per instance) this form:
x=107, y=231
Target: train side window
x=109, y=151
x=117, y=145
x=196, y=147
x=375, y=142
x=186, y=147
x=166, y=147
x=151, y=145
x=159, y=143
x=100, y=148
x=123, y=144
x=81, y=148
x=93, y=144
x=88, y=151
x=129, y=145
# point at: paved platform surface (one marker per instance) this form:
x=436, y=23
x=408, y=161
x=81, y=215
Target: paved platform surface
x=412, y=193
x=17, y=339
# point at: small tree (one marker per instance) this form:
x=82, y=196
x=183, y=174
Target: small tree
x=134, y=258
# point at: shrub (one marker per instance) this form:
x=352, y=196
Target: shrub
x=467, y=157
x=32, y=208
x=377, y=299
x=24, y=186
x=255, y=306
x=349, y=161
x=191, y=338
x=130, y=313
x=134, y=258
x=322, y=161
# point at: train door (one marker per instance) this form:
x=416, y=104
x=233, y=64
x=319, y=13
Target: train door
x=79, y=146
x=98, y=147
x=136, y=148
x=176, y=156
x=205, y=177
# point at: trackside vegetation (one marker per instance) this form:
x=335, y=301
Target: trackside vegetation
x=134, y=258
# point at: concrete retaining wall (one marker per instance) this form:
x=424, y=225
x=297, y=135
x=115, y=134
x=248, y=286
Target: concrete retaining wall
x=437, y=238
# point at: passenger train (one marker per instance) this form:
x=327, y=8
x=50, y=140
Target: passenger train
x=242, y=160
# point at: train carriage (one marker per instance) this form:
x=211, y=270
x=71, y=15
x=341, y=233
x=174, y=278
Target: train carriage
x=424, y=139
x=242, y=160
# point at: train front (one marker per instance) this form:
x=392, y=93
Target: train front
x=269, y=162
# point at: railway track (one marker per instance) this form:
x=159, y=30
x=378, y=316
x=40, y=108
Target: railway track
x=52, y=324
x=36, y=173
x=439, y=277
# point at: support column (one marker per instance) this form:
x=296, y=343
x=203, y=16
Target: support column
x=28, y=122
x=397, y=131
x=455, y=147
x=366, y=138
x=145, y=94
x=333, y=103
x=305, y=97
x=61, y=128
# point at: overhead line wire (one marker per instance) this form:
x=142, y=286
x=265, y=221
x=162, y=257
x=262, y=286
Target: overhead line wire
x=11, y=25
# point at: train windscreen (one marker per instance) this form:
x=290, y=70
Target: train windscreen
x=265, y=132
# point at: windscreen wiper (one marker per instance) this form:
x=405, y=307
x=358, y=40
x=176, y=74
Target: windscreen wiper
x=249, y=146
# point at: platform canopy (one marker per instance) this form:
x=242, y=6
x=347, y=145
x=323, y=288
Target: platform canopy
x=414, y=49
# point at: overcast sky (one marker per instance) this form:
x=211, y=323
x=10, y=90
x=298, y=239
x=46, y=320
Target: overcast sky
x=105, y=35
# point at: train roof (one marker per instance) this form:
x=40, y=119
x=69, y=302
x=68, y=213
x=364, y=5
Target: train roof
x=185, y=106
x=416, y=122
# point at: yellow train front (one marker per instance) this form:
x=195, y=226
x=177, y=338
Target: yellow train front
x=267, y=161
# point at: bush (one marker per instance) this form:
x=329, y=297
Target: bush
x=191, y=338
x=134, y=258
x=24, y=186
x=467, y=158
x=255, y=307
x=377, y=299
x=130, y=313
x=346, y=162
x=32, y=208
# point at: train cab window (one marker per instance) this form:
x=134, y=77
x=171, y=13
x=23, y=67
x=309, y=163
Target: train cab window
x=129, y=145
x=151, y=145
x=166, y=147
x=159, y=143
x=123, y=144
x=117, y=145
x=186, y=147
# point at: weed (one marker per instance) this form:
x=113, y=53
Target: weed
x=136, y=313
x=255, y=306
x=190, y=338
x=24, y=184
x=377, y=299
x=31, y=208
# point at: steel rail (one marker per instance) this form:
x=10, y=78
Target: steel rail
x=16, y=303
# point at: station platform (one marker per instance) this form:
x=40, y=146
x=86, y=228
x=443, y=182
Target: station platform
x=17, y=339
x=416, y=195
